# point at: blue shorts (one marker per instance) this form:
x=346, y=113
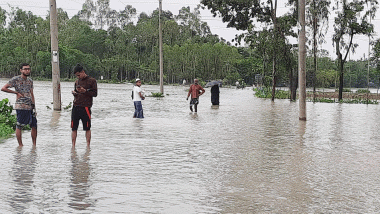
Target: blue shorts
x=25, y=117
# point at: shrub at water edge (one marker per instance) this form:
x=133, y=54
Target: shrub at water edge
x=7, y=120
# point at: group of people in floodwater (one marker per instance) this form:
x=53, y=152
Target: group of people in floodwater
x=85, y=89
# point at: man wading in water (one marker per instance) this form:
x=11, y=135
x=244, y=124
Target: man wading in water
x=195, y=91
x=85, y=89
x=25, y=104
x=138, y=96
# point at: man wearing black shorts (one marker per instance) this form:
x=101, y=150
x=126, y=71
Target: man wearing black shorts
x=25, y=103
x=85, y=89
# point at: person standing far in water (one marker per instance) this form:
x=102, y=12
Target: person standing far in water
x=195, y=91
x=85, y=89
x=138, y=96
x=215, y=94
x=25, y=104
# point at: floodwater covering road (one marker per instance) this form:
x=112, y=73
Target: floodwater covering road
x=248, y=155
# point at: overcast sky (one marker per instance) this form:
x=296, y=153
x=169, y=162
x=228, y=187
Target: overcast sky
x=41, y=7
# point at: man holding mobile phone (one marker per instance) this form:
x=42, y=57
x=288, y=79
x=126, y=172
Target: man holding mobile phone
x=85, y=89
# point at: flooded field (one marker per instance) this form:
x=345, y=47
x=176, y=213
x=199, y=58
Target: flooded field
x=248, y=155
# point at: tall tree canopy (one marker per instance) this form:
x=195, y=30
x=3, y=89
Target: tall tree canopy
x=244, y=15
x=353, y=18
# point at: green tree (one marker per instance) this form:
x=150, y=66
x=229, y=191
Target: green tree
x=317, y=18
x=242, y=14
x=352, y=19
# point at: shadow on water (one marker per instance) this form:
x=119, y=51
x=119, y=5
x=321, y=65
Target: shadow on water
x=23, y=178
x=80, y=181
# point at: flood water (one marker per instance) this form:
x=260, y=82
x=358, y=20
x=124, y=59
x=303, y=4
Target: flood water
x=249, y=155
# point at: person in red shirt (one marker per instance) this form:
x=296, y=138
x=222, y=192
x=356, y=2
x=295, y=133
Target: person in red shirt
x=195, y=91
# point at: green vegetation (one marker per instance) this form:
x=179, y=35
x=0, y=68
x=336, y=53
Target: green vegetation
x=350, y=101
x=158, y=94
x=362, y=91
x=321, y=100
x=119, y=46
x=267, y=93
x=344, y=90
x=7, y=120
x=122, y=47
x=68, y=106
x=359, y=101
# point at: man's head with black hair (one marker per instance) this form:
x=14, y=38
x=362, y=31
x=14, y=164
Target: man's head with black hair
x=79, y=72
x=25, y=69
x=23, y=64
x=78, y=68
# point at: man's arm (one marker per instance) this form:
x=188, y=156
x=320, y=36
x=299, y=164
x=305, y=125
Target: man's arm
x=142, y=97
x=203, y=91
x=93, y=91
x=6, y=87
x=188, y=94
x=32, y=94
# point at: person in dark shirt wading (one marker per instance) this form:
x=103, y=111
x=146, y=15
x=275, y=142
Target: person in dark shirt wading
x=85, y=89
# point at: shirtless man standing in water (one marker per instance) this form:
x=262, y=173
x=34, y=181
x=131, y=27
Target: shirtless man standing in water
x=195, y=91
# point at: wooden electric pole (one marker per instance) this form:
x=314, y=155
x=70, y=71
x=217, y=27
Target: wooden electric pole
x=302, y=62
x=161, y=54
x=55, y=56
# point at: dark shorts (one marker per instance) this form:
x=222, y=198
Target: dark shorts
x=194, y=101
x=81, y=113
x=25, y=117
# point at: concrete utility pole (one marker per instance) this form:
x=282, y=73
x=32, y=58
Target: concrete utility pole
x=161, y=54
x=55, y=56
x=302, y=62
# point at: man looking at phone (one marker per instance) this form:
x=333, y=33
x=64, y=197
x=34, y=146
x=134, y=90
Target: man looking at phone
x=85, y=89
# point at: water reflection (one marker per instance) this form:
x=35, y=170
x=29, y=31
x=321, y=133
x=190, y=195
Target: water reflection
x=80, y=176
x=23, y=178
x=55, y=118
x=194, y=116
x=301, y=130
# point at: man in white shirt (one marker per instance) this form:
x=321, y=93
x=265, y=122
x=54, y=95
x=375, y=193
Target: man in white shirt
x=138, y=96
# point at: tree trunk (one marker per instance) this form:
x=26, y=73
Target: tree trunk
x=340, y=97
x=315, y=53
x=274, y=78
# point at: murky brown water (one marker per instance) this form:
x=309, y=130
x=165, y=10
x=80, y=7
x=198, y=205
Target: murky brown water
x=247, y=156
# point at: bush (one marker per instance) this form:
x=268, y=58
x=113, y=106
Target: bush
x=7, y=120
x=5, y=131
x=267, y=93
x=362, y=91
x=158, y=94
x=344, y=90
